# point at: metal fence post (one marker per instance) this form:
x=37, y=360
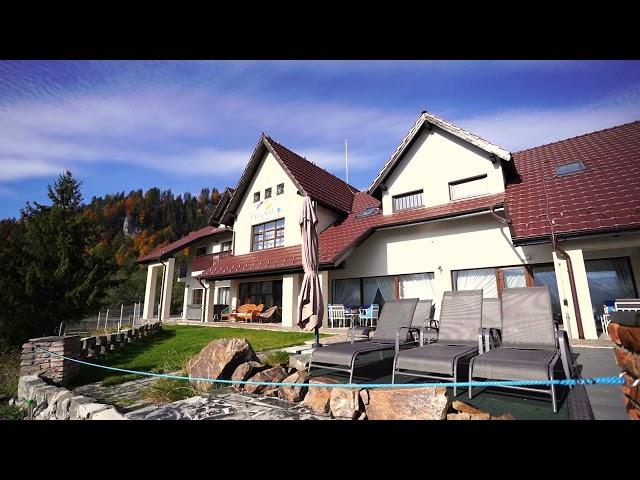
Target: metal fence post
x=106, y=320
x=98, y=324
x=120, y=322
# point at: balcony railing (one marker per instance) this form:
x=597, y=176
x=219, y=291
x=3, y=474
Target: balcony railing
x=205, y=261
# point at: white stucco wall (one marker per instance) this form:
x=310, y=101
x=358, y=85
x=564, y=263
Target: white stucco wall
x=440, y=247
x=286, y=205
x=435, y=159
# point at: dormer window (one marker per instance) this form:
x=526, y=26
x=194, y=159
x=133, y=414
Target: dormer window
x=280, y=189
x=256, y=197
x=468, y=187
x=408, y=201
x=569, y=168
x=200, y=251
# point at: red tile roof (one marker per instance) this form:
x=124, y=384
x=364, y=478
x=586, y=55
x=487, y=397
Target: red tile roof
x=338, y=239
x=605, y=196
x=184, y=242
x=319, y=184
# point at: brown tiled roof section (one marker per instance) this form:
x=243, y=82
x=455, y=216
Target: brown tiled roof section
x=317, y=182
x=182, y=243
x=342, y=236
x=605, y=196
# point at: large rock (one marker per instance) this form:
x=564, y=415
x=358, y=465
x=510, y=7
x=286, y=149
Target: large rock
x=273, y=374
x=219, y=359
x=300, y=361
x=346, y=403
x=294, y=394
x=244, y=371
x=425, y=403
x=318, y=398
x=468, y=416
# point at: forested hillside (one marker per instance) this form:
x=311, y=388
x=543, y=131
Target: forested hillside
x=69, y=258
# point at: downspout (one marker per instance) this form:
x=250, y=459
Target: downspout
x=204, y=299
x=564, y=256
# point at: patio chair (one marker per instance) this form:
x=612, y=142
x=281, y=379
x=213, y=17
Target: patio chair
x=337, y=314
x=391, y=333
x=244, y=312
x=369, y=314
x=459, y=337
x=266, y=315
x=529, y=349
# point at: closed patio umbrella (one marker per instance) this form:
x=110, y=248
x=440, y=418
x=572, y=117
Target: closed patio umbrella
x=310, y=302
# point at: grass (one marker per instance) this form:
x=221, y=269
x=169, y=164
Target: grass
x=8, y=412
x=169, y=350
x=276, y=358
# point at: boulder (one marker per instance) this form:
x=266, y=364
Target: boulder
x=273, y=374
x=246, y=370
x=219, y=359
x=108, y=413
x=466, y=408
x=506, y=416
x=468, y=416
x=294, y=394
x=299, y=361
x=345, y=403
x=422, y=403
x=318, y=398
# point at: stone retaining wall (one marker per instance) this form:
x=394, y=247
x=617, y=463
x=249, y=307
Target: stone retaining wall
x=49, y=402
x=61, y=371
x=627, y=350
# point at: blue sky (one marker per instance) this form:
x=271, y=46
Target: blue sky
x=123, y=125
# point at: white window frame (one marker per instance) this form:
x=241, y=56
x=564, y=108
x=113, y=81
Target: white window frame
x=407, y=198
x=469, y=180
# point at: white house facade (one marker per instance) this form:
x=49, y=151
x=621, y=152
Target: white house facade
x=448, y=211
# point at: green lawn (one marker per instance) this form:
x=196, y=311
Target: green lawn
x=175, y=345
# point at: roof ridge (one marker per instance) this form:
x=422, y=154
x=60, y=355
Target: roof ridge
x=578, y=136
x=354, y=189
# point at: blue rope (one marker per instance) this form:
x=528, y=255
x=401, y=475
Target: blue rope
x=492, y=383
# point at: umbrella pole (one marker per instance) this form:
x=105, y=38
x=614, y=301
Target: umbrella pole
x=317, y=344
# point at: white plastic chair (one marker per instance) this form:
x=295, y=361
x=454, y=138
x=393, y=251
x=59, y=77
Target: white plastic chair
x=369, y=314
x=337, y=314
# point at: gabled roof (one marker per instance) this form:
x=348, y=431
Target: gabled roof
x=323, y=187
x=178, y=245
x=603, y=198
x=337, y=241
x=216, y=217
x=428, y=119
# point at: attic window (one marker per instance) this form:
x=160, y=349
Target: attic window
x=280, y=189
x=367, y=212
x=569, y=168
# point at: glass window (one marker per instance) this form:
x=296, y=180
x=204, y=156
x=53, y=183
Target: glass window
x=347, y=292
x=268, y=235
x=280, y=189
x=223, y=295
x=200, y=251
x=378, y=290
x=479, y=279
x=609, y=279
x=568, y=168
x=267, y=193
x=514, y=277
x=546, y=275
x=418, y=285
x=196, y=296
x=469, y=187
x=256, y=197
x=407, y=201
x=226, y=246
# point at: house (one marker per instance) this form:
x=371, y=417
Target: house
x=449, y=210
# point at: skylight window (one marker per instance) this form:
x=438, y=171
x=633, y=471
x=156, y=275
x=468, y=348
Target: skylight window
x=569, y=168
x=367, y=212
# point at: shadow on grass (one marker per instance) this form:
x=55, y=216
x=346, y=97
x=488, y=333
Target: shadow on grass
x=119, y=358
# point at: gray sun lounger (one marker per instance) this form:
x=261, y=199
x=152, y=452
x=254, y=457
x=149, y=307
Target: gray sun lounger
x=459, y=337
x=529, y=349
x=391, y=333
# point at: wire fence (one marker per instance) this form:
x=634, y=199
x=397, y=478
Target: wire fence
x=112, y=319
